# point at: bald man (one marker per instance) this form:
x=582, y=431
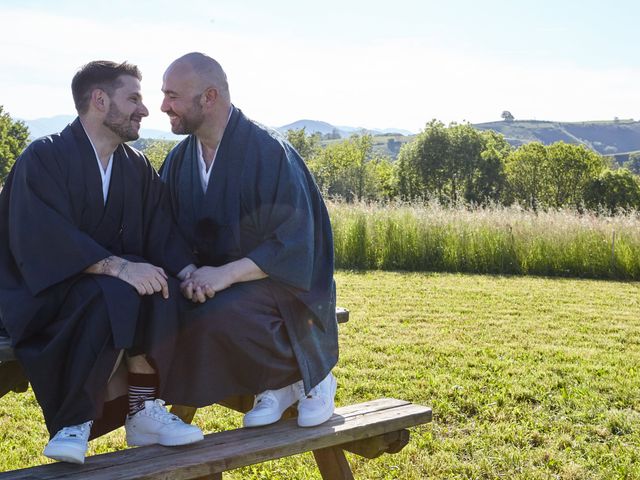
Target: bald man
x=261, y=316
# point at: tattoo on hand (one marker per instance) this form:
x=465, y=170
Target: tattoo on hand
x=105, y=264
x=123, y=268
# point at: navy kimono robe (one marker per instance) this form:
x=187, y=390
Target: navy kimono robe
x=261, y=203
x=68, y=327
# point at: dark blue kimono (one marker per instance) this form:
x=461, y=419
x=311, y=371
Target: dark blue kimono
x=261, y=203
x=67, y=327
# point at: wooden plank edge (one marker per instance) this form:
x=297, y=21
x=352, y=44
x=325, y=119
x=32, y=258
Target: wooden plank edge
x=207, y=459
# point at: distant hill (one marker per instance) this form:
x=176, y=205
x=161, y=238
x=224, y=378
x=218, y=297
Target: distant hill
x=615, y=138
x=40, y=127
x=311, y=127
x=324, y=128
x=605, y=137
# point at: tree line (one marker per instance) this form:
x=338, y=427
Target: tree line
x=454, y=164
x=457, y=164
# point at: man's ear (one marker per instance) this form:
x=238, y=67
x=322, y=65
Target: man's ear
x=99, y=100
x=210, y=96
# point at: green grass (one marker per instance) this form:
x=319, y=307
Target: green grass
x=508, y=240
x=528, y=378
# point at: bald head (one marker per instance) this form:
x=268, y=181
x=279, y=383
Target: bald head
x=205, y=72
x=196, y=96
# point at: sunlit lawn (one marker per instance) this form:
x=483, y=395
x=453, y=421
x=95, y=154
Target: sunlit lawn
x=528, y=378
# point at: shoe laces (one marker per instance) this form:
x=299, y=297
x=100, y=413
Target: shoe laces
x=160, y=412
x=314, y=393
x=75, y=431
x=301, y=394
x=320, y=391
x=266, y=398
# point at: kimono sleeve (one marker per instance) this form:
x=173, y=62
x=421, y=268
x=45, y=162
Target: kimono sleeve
x=280, y=207
x=47, y=245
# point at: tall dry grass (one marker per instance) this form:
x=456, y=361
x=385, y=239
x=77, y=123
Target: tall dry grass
x=432, y=237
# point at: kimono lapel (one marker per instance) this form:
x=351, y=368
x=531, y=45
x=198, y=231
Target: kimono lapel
x=84, y=154
x=222, y=196
x=189, y=191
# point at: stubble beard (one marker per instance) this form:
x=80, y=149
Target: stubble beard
x=119, y=124
x=190, y=121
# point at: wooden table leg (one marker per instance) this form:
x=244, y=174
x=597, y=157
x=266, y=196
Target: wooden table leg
x=185, y=413
x=333, y=464
x=12, y=378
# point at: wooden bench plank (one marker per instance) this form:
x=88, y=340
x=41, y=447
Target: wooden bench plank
x=230, y=437
x=232, y=449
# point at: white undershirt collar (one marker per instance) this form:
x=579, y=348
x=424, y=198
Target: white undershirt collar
x=105, y=175
x=204, y=173
x=202, y=166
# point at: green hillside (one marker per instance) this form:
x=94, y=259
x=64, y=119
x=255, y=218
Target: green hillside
x=605, y=137
x=387, y=145
x=614, y=138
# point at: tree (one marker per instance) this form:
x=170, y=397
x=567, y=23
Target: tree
x=488, y=181
x=466, y=145
x=381, y=179
x=157, y=150
x=633, y=164
x=393, y=145
x=334, y=135
x=507, y=117
x=341, y=168
x=14, y=136
x=306, y=145
x=422, y=164
x=570, y=169
x=525, y=170
x=410, y=185
x=154, y=149
x=452, y=164
x=613, y=190
x=551, y=176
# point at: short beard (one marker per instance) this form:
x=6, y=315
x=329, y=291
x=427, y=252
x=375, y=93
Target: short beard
x=192, y=120
x=123, y=128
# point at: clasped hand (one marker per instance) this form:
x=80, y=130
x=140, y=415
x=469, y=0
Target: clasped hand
x=204, y=282
x=147, y=279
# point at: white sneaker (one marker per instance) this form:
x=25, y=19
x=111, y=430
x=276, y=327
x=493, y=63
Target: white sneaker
x=317, y=406
x=269, y=406
x=69, y=444
x=154, y=424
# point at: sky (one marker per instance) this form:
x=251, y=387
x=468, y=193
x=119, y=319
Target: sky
x=370, y=64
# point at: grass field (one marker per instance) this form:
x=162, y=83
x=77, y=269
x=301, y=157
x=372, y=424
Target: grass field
x=528, y=378
x=495, y=240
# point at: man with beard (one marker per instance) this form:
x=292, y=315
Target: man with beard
x=262, y=318
x=84, y=244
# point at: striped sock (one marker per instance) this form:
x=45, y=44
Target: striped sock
x=142, y=387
